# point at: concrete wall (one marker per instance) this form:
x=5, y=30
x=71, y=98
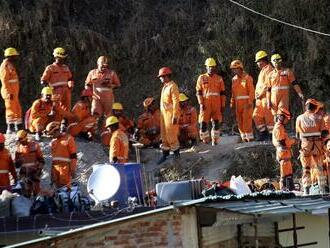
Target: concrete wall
x=316, y=229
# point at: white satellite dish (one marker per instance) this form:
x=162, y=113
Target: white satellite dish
x=103, y=183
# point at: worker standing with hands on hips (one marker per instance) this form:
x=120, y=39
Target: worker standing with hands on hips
x=262, y=116
x=169, y=115
x=210, y=92
x=242, y=99
x=278, y=83
x=10, y=90
x=59, y=77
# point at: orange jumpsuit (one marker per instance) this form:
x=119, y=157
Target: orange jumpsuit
x=10, y=92
x=188, y=124
x=210, y=91
x=169, y=110
x=125, y=124
x=85, y=121
x=58, y=76
x=64, y=159
x=30, y=160
x=6, y=167
x=119, y=147
x=242, y=100
x=102, y=84
x=148, y=125
x=278, y=83
x=283, y=143
x=309, y=127
x=262, y=116
x=39, y=115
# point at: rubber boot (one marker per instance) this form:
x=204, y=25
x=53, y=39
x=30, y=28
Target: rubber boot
x=289, y=183
x=177, y=153
x=306, y=190
x=164, y=157
x=263, y=136
x=18, y=127
x=38, y=136
x=10, y=129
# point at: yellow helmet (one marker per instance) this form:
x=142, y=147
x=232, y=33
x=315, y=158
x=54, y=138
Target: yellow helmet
x=210, y=62
x=276, y=58
x=183, y=97
x=117, y=106
x=260, y=55
x=47, y=91
x=60, y=52
x=103, y=60
x=111, y=121
x=10, y=51
x=236, y=64
x=52, y=127
x=21, y=135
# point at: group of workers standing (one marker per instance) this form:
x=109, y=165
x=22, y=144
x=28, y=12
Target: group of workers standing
x=175, y=123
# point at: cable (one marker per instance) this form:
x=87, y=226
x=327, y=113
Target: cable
x=277, y=20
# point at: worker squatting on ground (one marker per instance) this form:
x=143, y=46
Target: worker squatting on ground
x=59, y=77
x=64, y=154
x=169, y=115
x=86, y=124
x=10, y=90
x=29, y=159
x=102, y=81
x=278, y=84
x=311, y=131
x=262, y=116
x=119, y=145
x=187, y=122
x=6, y=166
x=148, y=124
x=283, y=143
x=44, y=111
x=242, y=98
x=210, y=92
x=125, y=124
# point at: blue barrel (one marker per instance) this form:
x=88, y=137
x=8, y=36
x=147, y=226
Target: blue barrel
x=131, y=183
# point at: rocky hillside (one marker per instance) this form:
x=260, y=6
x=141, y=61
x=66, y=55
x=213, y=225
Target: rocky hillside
x=141, y=36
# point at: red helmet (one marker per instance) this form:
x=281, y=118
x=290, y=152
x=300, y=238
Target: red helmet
x=87, y=92
x=164, y=71
x=2, y=138
x=285, y=112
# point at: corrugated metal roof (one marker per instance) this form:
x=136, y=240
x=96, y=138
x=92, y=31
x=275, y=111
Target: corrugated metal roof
x=313, y=205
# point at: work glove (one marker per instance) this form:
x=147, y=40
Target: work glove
x=70, y=84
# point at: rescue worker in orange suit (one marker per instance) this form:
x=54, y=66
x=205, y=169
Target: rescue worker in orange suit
x=125, y=124
x=187, y=122
x=29, y=159
x=64, y=154
x=283, y=143
x=10, y=90
x=242, y=100
x=6, y=166
x=169, y=115
x=102, y=81
x=278, y=84
x=210, y=92
x=86, y=124
x=119, y=145
x=262, y=116
x=44, y=111
x=311, y=131
x=59, y=77
x=148, y=124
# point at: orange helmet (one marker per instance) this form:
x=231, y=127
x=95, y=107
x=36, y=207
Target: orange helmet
x=164, y=71
x=148, y=101
x=103, y=60
x=52, y=127
x=87, y=92
x=2, y=138
x=285, y=112
x=236, y=64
